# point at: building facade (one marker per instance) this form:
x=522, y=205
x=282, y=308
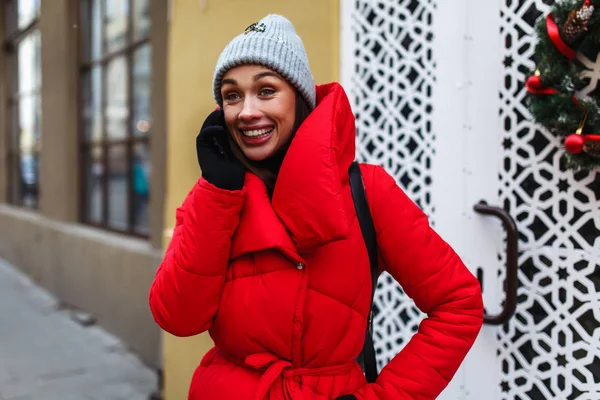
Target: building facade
x=82, y=149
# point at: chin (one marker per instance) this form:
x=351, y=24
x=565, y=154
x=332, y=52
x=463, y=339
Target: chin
x=257, y=154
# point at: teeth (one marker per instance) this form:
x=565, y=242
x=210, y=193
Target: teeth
x=257, y=132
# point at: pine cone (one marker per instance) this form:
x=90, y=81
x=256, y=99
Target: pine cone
x=592, y=148
x=576, y=24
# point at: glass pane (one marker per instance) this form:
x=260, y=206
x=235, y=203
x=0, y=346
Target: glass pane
x=141, y=186
x=118, y=191
x=142, y=59
x=92, y=104
x=29, y=63
x=37, y=122
x=28, y=10
x=94, y=173
x=117, y=111
x=14, y=171
x=95, y=29
x=90, y=18
x=29, y=178
x=37, y=57
x=28, y=124
x=141, y=19
x=115, y=24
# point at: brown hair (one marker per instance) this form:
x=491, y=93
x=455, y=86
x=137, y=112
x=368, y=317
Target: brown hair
x=268, y=176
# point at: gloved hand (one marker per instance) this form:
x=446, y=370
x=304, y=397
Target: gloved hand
x=218, y=164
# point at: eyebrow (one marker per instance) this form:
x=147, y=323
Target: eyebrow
x=256, y=77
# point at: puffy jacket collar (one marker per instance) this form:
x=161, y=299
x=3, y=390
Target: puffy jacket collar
x=308, y=208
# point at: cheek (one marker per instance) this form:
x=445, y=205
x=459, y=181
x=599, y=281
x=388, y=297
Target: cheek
x=288, y=115
x=230, y=118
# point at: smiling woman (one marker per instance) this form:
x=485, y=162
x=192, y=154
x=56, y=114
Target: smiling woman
x=276, y=269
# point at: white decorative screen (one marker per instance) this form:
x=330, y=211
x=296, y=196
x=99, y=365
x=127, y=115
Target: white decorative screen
x=392, y=79
x=551, y=347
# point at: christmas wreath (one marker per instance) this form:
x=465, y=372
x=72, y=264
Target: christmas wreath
x=562, y=93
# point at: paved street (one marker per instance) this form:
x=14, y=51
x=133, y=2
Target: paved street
x=46, y=355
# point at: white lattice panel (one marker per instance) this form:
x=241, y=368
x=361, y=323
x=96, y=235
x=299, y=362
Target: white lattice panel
x=551, y=347
x=390, y=80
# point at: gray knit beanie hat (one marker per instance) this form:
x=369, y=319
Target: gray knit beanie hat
x=274, y=43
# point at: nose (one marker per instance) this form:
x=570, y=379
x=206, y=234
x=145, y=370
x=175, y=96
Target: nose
x=250, y=110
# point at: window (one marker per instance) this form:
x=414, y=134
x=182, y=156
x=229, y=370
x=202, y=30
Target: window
x=23, y=57
x=115, y=114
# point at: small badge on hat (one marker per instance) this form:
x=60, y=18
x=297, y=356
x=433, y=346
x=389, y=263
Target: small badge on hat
x=256, y=27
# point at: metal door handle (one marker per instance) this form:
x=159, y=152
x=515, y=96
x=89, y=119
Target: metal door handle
x=512, y=254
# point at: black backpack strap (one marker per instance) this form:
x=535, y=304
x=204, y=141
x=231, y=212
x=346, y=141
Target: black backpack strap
x=365, y=220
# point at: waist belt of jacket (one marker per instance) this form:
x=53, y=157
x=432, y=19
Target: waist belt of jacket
x=275, y=367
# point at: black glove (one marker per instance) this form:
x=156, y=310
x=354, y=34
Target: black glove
x=218, y=164
x=346, y=397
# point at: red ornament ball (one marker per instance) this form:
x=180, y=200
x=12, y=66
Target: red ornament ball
x=534, y=82
x=574, y=143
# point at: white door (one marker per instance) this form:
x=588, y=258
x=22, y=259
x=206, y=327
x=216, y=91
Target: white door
x=437, y=89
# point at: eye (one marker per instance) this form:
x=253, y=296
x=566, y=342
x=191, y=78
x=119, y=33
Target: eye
x=232, y=96
x=266, y=92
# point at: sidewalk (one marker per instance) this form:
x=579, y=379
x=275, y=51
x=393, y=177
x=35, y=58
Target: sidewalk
x=46, y=355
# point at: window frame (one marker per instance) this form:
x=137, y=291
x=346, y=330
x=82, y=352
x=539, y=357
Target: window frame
x=86, y=145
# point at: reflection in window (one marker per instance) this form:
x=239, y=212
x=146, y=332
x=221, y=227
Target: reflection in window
x=118, y=200
x=141, y=90
x=28, y=11
x=94, y=176
x=23, y=59
x=116, y=120
x=117, y=108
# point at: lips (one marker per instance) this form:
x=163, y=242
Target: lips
x=257, y=135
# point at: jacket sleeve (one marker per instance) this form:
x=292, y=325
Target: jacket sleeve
x=433, y=275
x=185, y=294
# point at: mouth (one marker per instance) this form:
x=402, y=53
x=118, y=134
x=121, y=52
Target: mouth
x=257, y=133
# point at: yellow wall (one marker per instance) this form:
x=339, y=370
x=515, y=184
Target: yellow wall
x=199, y=30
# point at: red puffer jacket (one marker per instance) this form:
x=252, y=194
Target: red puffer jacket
x=284, y=286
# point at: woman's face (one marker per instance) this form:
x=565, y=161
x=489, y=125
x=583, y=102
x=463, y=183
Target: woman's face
x=260, y=108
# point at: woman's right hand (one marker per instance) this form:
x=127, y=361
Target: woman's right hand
x=218, y=164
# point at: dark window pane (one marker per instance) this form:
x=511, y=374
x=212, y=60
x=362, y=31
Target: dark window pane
x=29, y=178
x=94, y=173
x=141, y=186
x=115, y=24
x=14, y=170
x=141, y=90
x=141, y=19
x=14, y=191
x=14, y=128
x=92, y=105
x=10, y=16
x=117, y=111
x=28, y=10
x=13, y=68
x=118, y=192
x=91, y=29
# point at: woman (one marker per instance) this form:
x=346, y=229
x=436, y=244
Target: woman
x=267, y=253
